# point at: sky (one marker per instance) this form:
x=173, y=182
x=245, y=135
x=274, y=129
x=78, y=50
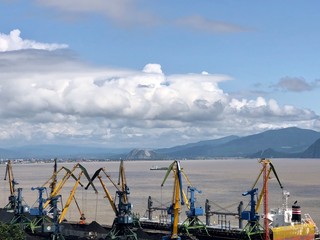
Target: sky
x=152, y=74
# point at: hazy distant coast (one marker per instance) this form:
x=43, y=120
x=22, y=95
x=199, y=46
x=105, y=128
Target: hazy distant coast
x=281, y=143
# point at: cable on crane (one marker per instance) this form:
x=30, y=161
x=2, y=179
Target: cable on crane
x=224, y=208
x=96, y=210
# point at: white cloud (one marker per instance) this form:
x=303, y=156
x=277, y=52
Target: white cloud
x=51, y=96
x=152, y=68
x=13, y=42
x=263, y=111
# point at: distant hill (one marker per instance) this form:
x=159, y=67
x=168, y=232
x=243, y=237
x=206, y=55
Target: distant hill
x=313, y=151
x=5, y=153
x=191, y=148
x=142, y=154
x=279, y=143
x=270, y=153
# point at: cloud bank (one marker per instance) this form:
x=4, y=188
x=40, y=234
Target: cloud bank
x=52, y=97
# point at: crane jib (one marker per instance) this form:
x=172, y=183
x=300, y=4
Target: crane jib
x=180, y=181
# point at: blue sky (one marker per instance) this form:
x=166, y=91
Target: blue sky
x=138, y=73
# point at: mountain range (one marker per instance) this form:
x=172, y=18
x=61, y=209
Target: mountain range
x=287, y=142
x=280, y=143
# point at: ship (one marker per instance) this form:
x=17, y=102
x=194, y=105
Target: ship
x=287, y=223
x=156, y=167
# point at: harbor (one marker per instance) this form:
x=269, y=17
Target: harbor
x=220, y=188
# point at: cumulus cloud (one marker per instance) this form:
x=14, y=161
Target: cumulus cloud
x=13, y=41
x=54, y=96
x=51, y=96
x=197, y=22
x=260, y=108
x=294, y=84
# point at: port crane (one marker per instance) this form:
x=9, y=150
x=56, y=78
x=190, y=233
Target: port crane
x=124, y=220
x=252, y=215
x=12, y=183
x=20, y=210
x=41, y=222
x=193, y=222
x=16, y=203
x=179, y=198
x=267, y=168
x=56, y=188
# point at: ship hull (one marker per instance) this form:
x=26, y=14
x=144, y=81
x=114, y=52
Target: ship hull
x=295, y=232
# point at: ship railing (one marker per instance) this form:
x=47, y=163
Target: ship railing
x=308, y=219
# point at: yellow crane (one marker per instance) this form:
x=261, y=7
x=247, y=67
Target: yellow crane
x=178, y=198
x=123, y=222
x=106, y=191
x=12, y=198
x=57, y=187
x=122, y=181
x=71, y=197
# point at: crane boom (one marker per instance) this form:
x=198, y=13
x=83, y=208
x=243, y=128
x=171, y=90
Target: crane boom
x=73, y=191
x=9, y=174
x=97, y=173
x=106, y=191
x=262, y=193
x=123, y=183
x=265, y=164
x=62, y=182
x=108, y=195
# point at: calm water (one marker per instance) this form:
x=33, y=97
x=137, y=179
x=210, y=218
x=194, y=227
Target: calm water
x=221, y=181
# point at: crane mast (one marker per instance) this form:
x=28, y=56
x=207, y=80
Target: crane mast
x=54, y=178
x=12, y=183
x=178, y=198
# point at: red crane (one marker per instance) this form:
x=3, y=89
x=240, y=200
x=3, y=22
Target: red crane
x=267, y=167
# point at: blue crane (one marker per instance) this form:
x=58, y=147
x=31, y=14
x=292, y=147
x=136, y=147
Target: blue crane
x=193, y=222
